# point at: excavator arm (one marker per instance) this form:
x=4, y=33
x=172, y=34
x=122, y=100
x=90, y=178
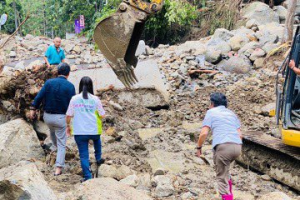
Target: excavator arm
x=118, y=35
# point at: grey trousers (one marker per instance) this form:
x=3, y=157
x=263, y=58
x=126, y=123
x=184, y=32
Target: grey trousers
x=57, y=126
x=224, y=155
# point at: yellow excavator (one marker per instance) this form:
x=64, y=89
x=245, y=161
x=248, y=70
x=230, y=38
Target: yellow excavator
x=118, y=35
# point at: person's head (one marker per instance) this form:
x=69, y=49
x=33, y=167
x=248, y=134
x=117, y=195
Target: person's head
x=86, y=86
x=218, y=99
x=57, y=42
x=63, y=69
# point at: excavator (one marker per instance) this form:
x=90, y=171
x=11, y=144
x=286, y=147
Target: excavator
x=118, y=35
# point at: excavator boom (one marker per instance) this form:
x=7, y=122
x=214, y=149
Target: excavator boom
x=118, y=35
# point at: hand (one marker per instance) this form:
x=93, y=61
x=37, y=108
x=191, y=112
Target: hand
x=68, y=131
x=292, y=64
x=48, y=65
x=32, y=114
x=199, y=153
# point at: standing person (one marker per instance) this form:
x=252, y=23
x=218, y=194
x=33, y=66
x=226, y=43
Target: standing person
x=227, y=140
x=54, y=54
x=87, y=112
x=56, y=95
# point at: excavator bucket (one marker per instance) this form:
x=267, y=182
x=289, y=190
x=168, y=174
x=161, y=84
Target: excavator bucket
x=117, y=37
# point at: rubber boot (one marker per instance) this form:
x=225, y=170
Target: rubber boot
x=227, y=197
x=230, y=186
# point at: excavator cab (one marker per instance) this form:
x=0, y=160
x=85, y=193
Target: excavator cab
x=288, y=97
x=118, y=35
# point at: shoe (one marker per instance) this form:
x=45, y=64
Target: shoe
x=227, y=197
x=230, y=186
x=100, y=162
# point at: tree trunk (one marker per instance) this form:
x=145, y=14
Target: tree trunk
x=289, y=23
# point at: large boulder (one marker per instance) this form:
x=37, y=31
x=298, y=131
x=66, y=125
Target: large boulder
x=24, y=181
x=281, y=12
x=118, y=173
x=275, y=196
x=213, y=56
x=270, y=31
x=235, y=64
x=164, y=186
x=261, y=12
x=238, y=41
x=106, y=189
x=18, y=141
x=223, y=34
x=251, y=45
x=219, y=44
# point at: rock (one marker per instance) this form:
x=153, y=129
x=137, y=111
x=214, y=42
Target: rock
x=269, y=47
x=105, y=189
x=115, y=105
x=20, y=66
x=70, y=56
x=18, y=141
x=252, y=23
x=69, y=47
x=159, y=171
x=265, y=110
x=257, y=53
x=144, y=182
x=238, y=41
x=164, y=186
x=223, y=34
x=235, y=64
x=281, y=12
x=78, y=61
x=118, y=173
x=29, y=37
x=74, y=68
x=259, y=63
x=77, y=49
x=7, y=71
x=270, y=33
x=8, y=106
x=149, y=50
x=34, y=64
x=12, y=54
x=218, y=44
x=141, y=49
x=250, y=45
x=187, y=195
x=43, y=47
x=261, y=12
x=213, y=56
x=191, y=45
x=266, y=177
x=42, y=130
x=275, y=196
x=87, y=58
x=24, y=181
x=131, y=180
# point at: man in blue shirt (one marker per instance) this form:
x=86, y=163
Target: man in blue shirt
x=55, y=96
x=54, y=54
x=227, y=140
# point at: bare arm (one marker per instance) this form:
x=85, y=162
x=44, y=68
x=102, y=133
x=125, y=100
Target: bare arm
x=293, y=67
x=46, y=61
x=68, y=122
x=203, y=135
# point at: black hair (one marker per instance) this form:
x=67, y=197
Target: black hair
x=86, y=86
x=63, y=69
x=218, y=99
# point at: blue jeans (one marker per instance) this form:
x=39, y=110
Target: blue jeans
x=82, y=142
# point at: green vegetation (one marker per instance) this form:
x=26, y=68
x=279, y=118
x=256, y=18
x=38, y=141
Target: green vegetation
x=56, y=17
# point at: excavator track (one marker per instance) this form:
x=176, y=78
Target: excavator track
x=270, y=156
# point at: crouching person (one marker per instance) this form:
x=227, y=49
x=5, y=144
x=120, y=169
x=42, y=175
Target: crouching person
x=86, y=112
x=227, y=142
